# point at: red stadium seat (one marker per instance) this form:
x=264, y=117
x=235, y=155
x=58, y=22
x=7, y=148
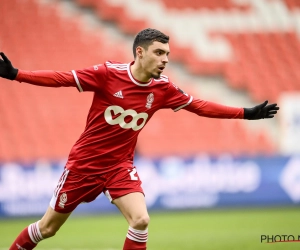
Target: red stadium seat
x=254, y=52
x=44, y=123
x=203, y=4
x=292, y=4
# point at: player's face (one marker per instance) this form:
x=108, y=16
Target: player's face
x=155, y=59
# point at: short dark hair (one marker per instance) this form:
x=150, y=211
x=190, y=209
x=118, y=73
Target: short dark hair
x=146, y=37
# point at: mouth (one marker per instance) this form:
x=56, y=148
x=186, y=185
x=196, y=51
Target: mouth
x=161, y=69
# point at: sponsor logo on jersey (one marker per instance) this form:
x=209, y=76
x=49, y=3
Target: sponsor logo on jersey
x=62, y=200
x=119, y=94
x=116, y=115
x=150, y=99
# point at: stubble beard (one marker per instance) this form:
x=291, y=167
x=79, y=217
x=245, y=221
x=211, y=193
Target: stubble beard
x=156, y=76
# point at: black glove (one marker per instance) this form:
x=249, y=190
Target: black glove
x=6, y=69
x=261, y=111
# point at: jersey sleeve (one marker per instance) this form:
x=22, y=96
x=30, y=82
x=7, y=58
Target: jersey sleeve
x=214, y=110
x=90, y=79
x=176, y=99
x=46, y=78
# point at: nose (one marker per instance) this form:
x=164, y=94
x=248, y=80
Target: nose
x=165, y=59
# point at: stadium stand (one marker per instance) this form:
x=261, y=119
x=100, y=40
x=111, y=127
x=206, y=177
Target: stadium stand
x=208, y=4
x=292, y=4
x=44, y=123
x=264, y=59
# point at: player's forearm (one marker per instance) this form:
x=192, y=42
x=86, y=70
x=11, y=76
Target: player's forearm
x=214, y=110
x=46, y=78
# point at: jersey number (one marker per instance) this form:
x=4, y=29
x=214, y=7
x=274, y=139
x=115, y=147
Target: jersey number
x=132, y=175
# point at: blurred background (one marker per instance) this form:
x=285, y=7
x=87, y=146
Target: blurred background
x=234, y=52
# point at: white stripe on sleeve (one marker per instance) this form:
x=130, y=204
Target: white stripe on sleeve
x=77, y=81
x=182, y=106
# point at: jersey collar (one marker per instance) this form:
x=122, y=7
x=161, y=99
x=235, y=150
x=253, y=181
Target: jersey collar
x=137, y=82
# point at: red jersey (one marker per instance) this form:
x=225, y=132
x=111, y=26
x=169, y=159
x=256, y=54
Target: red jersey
x=121, y=107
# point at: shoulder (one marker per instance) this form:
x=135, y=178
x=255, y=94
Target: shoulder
x=162, y=79
x=166, y=82
x=116, y=66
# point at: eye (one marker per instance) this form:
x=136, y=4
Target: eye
x=159, y=53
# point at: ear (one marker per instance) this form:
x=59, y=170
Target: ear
x=139, y=52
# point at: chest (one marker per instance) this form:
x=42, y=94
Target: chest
x=129, y=96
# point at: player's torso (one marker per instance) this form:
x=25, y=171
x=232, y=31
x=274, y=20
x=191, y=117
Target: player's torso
x=127, y=103
x=120, y=110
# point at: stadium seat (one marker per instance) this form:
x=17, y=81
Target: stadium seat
x=42, y=122
x=45, y=122
x=204, y=4
x=292, y=4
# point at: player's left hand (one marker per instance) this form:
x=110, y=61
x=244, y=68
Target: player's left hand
x=261, y=111
x=6, y=69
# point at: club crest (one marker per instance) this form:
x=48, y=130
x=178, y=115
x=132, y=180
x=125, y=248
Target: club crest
x=150, y=99
x=62, y=200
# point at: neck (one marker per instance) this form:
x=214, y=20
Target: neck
x=138, y=72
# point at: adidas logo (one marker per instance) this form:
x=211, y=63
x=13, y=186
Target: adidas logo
x=119, y=94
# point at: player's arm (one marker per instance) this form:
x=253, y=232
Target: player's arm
x=178, y=99
x=45, y=78
x=214, y=110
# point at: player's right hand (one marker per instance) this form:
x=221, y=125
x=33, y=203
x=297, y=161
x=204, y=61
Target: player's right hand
x=6, y=69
